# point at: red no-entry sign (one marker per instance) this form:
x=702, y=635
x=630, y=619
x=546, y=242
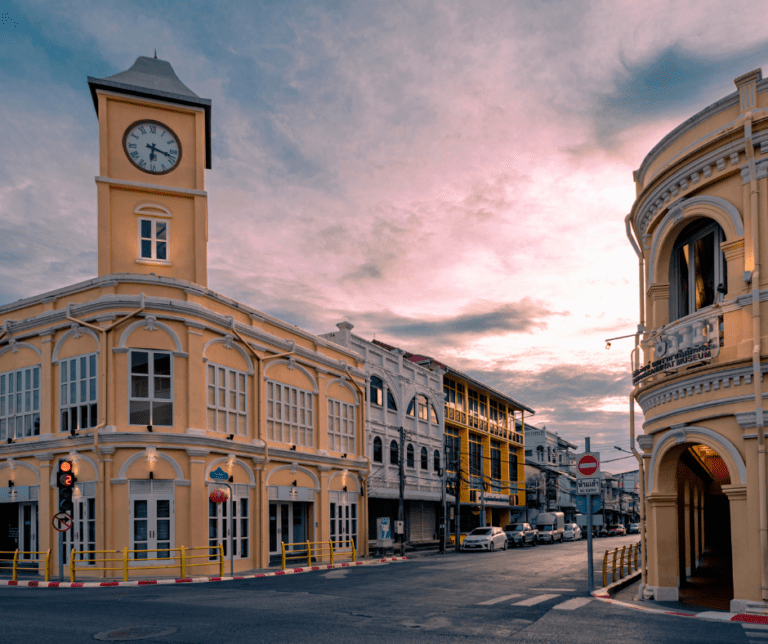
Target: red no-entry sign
x=587, y=465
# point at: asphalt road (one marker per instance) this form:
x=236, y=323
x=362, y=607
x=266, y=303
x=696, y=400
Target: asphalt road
x=531, y=595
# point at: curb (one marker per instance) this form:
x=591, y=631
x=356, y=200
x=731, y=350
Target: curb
x=606, y=595
x=191, y=580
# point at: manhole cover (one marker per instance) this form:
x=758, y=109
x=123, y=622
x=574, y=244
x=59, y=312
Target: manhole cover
x=135, y=633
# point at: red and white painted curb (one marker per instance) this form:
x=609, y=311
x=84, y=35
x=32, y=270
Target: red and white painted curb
x=604, y=596
x=191, y=580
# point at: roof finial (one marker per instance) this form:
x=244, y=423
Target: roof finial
x=155, y=52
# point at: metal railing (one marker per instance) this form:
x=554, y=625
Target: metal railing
x=171, y=558
x=28, y=563
x=628, y=560
x=317, y=550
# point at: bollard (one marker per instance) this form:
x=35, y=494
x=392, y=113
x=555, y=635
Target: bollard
x=354, y=554
x=282, y=549
x=72, y=566
x=48, y=565
x=615, y=552
x=183, y=563
x=309, y=553
x=221, y=560
x=15, y=574
x=621, y=564
x=125, y=563
x=331, y=542
x=605, y=569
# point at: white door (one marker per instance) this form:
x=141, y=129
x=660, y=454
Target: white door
x=82, y=535
x=222, y=526
x=151, y=519
x=28, y=529
x=343, y=519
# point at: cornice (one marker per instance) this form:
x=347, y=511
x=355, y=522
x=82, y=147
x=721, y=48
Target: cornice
x=152, y=187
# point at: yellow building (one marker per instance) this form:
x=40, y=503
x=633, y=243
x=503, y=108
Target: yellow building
x=485, y=450
x=700, y=224
x=147, y=381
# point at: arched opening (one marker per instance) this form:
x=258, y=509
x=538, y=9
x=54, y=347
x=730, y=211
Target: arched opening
x=696, y=479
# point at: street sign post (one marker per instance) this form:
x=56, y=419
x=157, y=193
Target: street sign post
x=588, y=486
x=221, y=477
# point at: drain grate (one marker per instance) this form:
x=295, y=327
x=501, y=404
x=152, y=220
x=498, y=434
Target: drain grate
x=135, y=633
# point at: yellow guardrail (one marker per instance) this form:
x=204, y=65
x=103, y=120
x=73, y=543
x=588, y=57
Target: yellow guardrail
x=86, y=560
x=21, y=557
x=317, y=550
x=627, y=559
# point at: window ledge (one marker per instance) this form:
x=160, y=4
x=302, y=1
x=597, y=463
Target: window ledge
x=154, y=262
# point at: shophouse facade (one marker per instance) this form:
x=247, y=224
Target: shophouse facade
x=401, y=396
x=147, y=381
x=485, y=450
x=699, y=226
x=548, y=474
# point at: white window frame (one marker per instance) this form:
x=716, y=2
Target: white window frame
x=341, y=426
x=84, y=389
x=20, y=406
x=227, y=407
x=154, y=240
x=290, y=414
x=150, y=375
x=220, y=523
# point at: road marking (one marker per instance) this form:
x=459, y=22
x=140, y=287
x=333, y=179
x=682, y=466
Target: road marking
x=532, y=601
x=757, y=634
x=553, y=590
x=760, y=627
x=573, y=604
x=498, y=600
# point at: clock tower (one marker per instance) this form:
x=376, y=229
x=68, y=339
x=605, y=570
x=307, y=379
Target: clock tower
x=154, y=147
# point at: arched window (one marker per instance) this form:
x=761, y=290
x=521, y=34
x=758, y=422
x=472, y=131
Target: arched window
x=432, y=413
x=424, y=459
x=377, y=450
x=697, y=272
x=423, y=407
x=437, y=461
x=394, y=453
x=391, y=401
x=377, y=391
x=411, y=411
x=409, y=458
x=540, y=453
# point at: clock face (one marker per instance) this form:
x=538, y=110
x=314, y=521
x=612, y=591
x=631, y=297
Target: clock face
x=152, y=147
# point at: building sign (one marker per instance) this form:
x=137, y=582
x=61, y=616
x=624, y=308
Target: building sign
x=686, y=357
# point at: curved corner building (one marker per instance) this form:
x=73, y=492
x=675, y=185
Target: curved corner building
x=700, y=224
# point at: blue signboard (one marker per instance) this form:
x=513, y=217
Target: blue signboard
x=219, y=475
x=581, y=503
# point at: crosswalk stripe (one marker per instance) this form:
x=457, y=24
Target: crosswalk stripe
x=757, y=634
x=760, y=627
x=498, y=600
x=532, y=601
x=573, y=604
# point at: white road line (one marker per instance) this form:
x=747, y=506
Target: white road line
x=759, y=627
x=573, y=604
x=532, y=601
x=498, y=600
x=757, y=634
x=553, y=590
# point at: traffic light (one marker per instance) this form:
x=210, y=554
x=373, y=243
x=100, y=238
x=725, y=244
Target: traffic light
x=65, y=481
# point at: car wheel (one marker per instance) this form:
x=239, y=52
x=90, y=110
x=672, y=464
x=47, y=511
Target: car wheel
x=504, y=547
x=490, y=547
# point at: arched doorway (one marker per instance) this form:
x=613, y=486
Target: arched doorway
x=690, y=504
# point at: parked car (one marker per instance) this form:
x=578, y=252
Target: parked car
x=634, y=528
x=518, y=534
x=571, y=532
x=488, y=538
x=617, y=530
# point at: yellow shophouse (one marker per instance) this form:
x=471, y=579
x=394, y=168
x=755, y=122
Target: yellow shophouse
x=147, y=381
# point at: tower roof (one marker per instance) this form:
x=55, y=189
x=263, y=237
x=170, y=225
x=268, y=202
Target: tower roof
x=154, y=78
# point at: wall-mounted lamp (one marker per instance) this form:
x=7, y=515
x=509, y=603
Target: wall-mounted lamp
x=294, y=484
x=231, y=437
x=231, y=479
x=72, y=432
x=293, y=448
x=345, y=488
x=10, y=483
x=343, y=456
x=149, y=428
x=10, y=440
x=151, y=475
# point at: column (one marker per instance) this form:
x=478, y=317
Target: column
x=45, y=532
x=744, y=540
x=197, y=512
x=662, y=546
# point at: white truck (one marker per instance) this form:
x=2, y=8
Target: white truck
x=551, y=526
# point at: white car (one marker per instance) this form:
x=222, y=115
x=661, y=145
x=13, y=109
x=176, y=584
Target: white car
x=572, y=532
x=488, y=538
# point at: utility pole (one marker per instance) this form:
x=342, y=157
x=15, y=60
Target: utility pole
x=590, y=563
x=401, y=507
x=458, y=500
x=444, y=496
x=482, y=486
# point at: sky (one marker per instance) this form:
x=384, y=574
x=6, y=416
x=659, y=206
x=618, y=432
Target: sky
x=451, y=177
